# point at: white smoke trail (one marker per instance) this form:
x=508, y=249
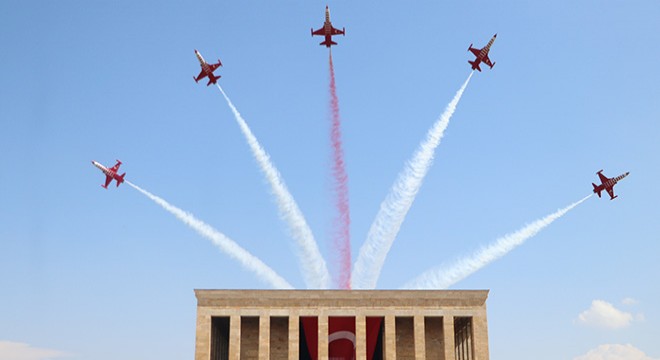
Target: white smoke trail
x=446, y=276
x=225, y=244
x=314, y=269
x=393, y=210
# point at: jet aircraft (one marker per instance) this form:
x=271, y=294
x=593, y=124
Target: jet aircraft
x=111, y=173
x=482, y=55
x=328, y=31
x=207, y=70
x=607, y=184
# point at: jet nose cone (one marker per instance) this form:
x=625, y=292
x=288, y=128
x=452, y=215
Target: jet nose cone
x=495, y=35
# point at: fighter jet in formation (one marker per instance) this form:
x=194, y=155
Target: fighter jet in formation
x=482, y=55
x=111, y=173
x=207, y=70
x=607, y=184
x=328, y=31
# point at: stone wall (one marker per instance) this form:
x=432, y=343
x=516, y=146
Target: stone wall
x=264, y=324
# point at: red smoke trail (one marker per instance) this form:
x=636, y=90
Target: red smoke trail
x=341, y=234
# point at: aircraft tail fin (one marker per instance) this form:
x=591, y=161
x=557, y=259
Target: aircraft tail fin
x=596, y=187
x=121, y=179
x=475, y=66
x=213, y=79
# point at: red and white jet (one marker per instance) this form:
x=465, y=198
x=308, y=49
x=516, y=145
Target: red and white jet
x=110, y=174
x=482, y=55
x=607, y=184
x=328, y=31
x=207, y=70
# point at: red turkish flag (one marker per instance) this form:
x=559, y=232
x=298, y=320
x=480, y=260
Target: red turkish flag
x=373, y=330
x=311, y=329
x=341, y=337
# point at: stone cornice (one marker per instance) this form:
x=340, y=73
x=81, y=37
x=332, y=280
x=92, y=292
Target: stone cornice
x=341, y=298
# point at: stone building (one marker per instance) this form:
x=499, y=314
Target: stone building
x=341, y=324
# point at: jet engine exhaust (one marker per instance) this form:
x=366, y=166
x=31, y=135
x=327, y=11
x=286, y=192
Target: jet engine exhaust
x=314, y=270
x=228, y=246
x=341, y=233
x=393, y=210
x=445, y=276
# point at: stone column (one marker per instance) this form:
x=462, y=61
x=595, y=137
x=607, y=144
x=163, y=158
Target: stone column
x=448, y=332
x=294, y=337
x=360, y=337
x=264, y=336
x=235, y=337
x=420, y=337
x=480, y=337
x=203, y=341
x=390, y=338
x=323, y=336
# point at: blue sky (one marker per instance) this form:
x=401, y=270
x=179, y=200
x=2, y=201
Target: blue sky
x=108, y=274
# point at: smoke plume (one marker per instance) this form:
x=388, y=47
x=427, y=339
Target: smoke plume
x=341, y=233
x=313, y=267
x=225, y=244
x=393, y=210
x=446, y=276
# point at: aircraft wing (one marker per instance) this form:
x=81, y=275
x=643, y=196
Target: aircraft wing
x=336, y=32
x=108, y=179
x=486, y=61
x=320, y=31
x=214, y=66
x=116, y=167
x=611, y=192
x=603, y=178
x=201, y=75
x=475, y=51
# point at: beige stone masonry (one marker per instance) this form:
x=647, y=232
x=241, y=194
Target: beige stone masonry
x=265, y=324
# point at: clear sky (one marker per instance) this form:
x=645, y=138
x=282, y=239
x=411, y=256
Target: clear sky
x=89, y=273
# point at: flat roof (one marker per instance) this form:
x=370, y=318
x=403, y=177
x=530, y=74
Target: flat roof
x=341, y=298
